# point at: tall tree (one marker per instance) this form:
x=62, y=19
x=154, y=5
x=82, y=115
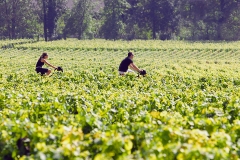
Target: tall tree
x=45, y=20
x=114, y=11
x=206, y=19
x=230, y=29
x=17, y=18
x=79, y=19
x=152, y=18
x=52, y=10
x=193, y=13
x=219, y=12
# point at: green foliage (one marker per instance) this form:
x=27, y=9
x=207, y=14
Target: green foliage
x=187, y=107
x=18, y=19
x=158, y=17
x=114, y=10
x=209, y=20
x=52, y=11
x=80, y=20
x=120, y=19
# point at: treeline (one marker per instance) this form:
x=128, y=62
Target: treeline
x=121, y=19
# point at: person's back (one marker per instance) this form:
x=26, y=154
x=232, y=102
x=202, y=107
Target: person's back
x=39, y=63
x=123, y=67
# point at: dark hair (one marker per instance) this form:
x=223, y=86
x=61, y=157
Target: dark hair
x=130, y=54
x=43, y=55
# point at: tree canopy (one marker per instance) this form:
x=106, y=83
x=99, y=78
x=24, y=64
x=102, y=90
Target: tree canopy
x=121, y=19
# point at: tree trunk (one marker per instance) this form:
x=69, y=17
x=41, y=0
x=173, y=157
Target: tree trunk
x=51, y=15
x=219, y=29
x=8, y=22
x=81, y=20
x=44, y=20
x=220, y=20
x=13, y=20
x=153, y=15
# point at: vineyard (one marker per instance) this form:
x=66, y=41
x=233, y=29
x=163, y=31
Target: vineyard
x=187, y=107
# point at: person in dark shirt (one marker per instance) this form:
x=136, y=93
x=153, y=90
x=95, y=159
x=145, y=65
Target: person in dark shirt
x=41, y=61
x=127, y=62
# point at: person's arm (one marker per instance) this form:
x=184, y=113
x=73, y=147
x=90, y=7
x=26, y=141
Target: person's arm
x=48, y=63
x=134, y=67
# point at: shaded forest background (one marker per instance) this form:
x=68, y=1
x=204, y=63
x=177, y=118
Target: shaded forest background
x=120, y=19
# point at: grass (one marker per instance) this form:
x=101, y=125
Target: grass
x=186, y=108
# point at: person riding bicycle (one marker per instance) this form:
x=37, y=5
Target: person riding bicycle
x=41, y=61
x=128, y=62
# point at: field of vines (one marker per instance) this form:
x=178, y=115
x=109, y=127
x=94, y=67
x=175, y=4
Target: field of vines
x=186, y=108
